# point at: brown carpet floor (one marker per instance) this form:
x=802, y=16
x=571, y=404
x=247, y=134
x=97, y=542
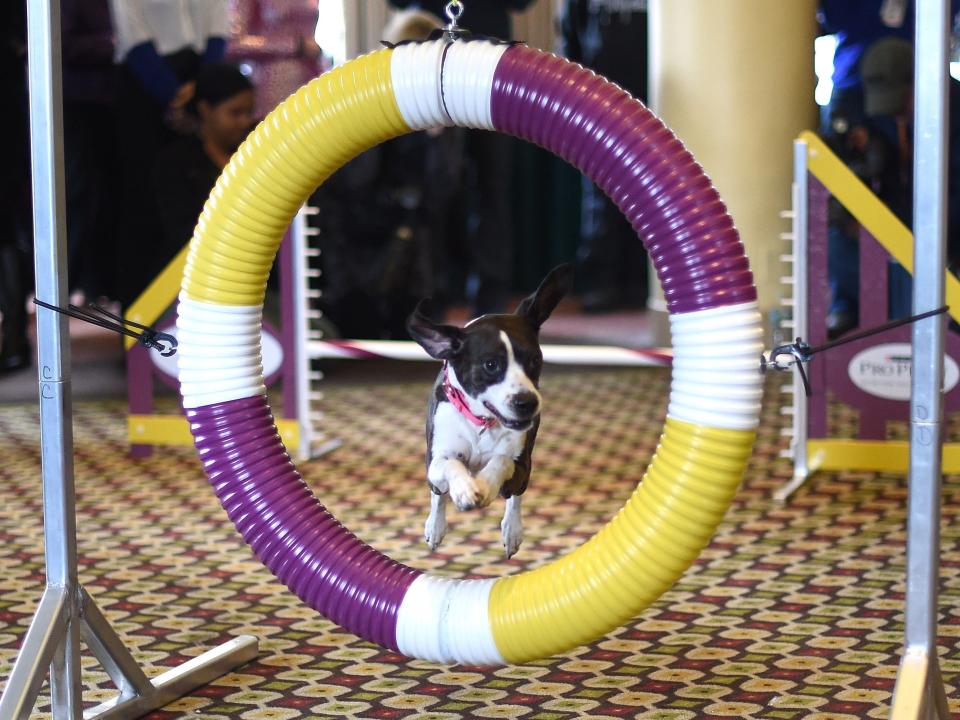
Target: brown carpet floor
x=793, y=611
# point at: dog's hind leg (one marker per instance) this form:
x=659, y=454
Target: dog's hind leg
x=436, y=526
x=511, y=527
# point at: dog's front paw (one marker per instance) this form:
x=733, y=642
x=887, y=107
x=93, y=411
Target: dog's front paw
x=468, y=492
x=511, y=529
x=434, y=530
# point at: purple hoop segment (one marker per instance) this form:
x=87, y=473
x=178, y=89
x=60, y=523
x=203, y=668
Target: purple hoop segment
x=671, y=204
x=632, y=156
x=305, y=546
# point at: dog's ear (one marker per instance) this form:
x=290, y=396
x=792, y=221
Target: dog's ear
x=536, y=308
x=440, y=341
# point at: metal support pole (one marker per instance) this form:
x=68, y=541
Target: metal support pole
x=60, y=630
x=66, y=612
x=919, y=692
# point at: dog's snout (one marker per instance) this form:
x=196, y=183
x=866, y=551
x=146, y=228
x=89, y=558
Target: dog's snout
x=525, y=404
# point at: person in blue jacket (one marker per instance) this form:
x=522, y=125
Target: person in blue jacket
x=874, y=37
x=857, y=24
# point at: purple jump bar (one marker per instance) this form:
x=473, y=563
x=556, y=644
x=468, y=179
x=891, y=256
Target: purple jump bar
x=629, y=153
x=632, y=156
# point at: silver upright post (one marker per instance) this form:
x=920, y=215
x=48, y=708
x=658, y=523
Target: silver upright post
x=66, y=612
x=53, y=638
x=919, y=692
x=46, y=132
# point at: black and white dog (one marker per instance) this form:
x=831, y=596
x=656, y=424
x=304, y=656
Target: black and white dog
x=484, y=409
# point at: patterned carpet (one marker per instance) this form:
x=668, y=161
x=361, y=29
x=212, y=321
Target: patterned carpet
x=792, y=612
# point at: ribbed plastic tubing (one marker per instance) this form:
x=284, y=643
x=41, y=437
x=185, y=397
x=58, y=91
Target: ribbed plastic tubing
x=691, y=239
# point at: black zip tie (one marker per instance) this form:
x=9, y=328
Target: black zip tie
x=800, y=352
x=163, y=343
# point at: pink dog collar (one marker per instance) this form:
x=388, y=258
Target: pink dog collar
x=455, y=396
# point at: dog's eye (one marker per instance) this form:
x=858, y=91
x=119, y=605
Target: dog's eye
x=492, y=365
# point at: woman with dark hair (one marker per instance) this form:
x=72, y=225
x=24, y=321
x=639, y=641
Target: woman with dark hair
x=160, y=47
x=222, y=107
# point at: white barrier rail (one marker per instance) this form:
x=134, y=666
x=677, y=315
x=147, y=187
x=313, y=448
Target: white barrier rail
x=555, y=354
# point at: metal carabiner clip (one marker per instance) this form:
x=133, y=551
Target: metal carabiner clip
x=798, y=353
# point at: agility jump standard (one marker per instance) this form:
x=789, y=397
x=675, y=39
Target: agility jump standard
x=818, y=174
x=66, y=613
x=715, y=397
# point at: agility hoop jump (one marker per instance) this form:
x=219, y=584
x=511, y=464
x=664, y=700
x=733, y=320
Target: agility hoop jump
x=716, y=387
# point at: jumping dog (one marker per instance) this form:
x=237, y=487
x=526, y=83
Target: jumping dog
x=484, y=409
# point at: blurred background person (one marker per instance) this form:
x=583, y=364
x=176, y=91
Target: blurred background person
x=89, y=126
x=15, y=256
x=161, y=47
x=488, y=238
x=888, y=93
x=609, y=37
x=274, y=40
x=857, y=25
x=845, y=127
x=186, y=171
x=385, y=221
x=868, y=124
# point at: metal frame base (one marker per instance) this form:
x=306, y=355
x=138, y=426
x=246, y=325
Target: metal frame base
x=785, y=492
x=919, y=692
x=179, y=681
x=804, y=468
x=65, y=616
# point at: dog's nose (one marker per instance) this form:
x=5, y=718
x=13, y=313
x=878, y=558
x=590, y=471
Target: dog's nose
x=525, y=404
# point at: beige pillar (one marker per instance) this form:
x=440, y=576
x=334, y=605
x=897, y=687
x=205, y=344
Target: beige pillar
x=537, y=25
x=734, y=80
